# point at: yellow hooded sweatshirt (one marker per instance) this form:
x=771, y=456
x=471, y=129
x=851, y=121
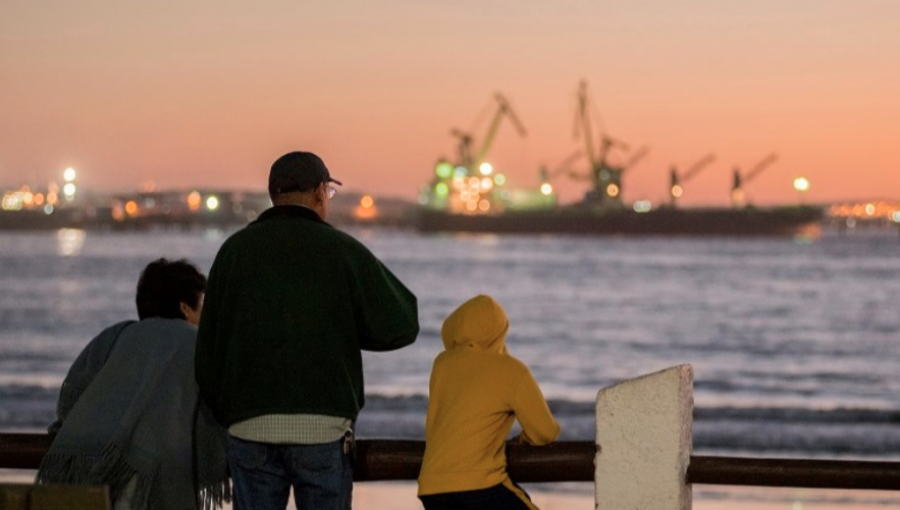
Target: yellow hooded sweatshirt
x=476, y=391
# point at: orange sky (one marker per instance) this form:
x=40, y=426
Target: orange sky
x=209, y=93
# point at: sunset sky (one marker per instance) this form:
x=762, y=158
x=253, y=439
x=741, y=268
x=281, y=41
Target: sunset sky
x=209, y=93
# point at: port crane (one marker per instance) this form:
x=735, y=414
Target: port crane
x=737, y=187
x=606, y=178
x=471, y=159
x=469, y=185
x=676, y=189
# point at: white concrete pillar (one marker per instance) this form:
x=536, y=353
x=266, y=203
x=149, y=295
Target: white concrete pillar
x=644, y=442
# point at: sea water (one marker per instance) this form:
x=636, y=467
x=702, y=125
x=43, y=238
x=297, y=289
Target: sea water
x=794, y=343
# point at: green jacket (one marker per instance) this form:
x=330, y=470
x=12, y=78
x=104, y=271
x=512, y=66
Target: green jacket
x=290, y=303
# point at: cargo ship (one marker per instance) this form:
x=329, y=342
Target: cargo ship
x=469, y=195
x=694, y=222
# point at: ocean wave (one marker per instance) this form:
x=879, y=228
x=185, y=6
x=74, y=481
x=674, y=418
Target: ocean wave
x=776, y=431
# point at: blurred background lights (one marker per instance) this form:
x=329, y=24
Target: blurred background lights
x=444, y=170
x=69, y=174
x=642, y=206
x=212, y=203
x=69, y=190
x=131, y=207
x=193, y=200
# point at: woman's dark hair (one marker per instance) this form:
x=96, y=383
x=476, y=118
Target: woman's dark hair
x=164, y=285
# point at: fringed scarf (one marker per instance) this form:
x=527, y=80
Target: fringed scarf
x=129, y=409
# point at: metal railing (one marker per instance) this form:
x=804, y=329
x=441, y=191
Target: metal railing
x=565, y=461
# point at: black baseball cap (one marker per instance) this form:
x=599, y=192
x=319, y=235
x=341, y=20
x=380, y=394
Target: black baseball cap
x=298, y=171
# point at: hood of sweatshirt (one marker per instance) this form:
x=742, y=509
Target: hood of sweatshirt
x=479, y=323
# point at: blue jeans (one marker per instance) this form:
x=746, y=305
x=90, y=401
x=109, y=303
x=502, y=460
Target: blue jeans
x=263, y=474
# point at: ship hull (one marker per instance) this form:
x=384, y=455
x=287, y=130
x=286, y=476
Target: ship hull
x=37, y=220
x=698, y=222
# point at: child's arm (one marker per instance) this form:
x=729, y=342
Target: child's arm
x=538, y=425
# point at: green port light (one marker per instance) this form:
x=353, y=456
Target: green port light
x=444, y=170
x=441, y=189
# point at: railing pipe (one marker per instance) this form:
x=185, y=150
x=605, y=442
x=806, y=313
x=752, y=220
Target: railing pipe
x=565, y=461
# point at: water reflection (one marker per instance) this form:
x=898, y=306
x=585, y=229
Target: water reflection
x=69, y=242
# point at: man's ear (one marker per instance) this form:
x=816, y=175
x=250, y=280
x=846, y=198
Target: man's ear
x=320, y=193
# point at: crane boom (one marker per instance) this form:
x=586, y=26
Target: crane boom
x=503, y=109
x=695, y=169
x=759, y=167
x=639, y=155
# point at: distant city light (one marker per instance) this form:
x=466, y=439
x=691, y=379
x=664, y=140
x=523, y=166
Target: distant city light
x=212, y=203
x=499, y=179
x=69, y=190
x=612, y=190
x=487, y=183
x=193, y=200
x=48, y=209
x=677, y=191
x=484, y=205
x=642, y=206
x=117, y=213
x=131, y=207
x=801, y=184
x=486, y=169
x=870, y=209
x=895, y=216
x=366, y=209
x=69, y=174
x=441, y=189
x=12, y=202
x=546, y=188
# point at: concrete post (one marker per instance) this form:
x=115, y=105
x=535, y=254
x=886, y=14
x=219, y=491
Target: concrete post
x=644, y=442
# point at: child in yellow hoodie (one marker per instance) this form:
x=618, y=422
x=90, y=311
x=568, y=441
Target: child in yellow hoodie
x=476, y=391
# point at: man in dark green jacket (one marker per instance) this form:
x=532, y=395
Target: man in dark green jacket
x=290, y=303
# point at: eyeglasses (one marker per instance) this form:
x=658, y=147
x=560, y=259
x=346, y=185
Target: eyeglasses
x=330, y=191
